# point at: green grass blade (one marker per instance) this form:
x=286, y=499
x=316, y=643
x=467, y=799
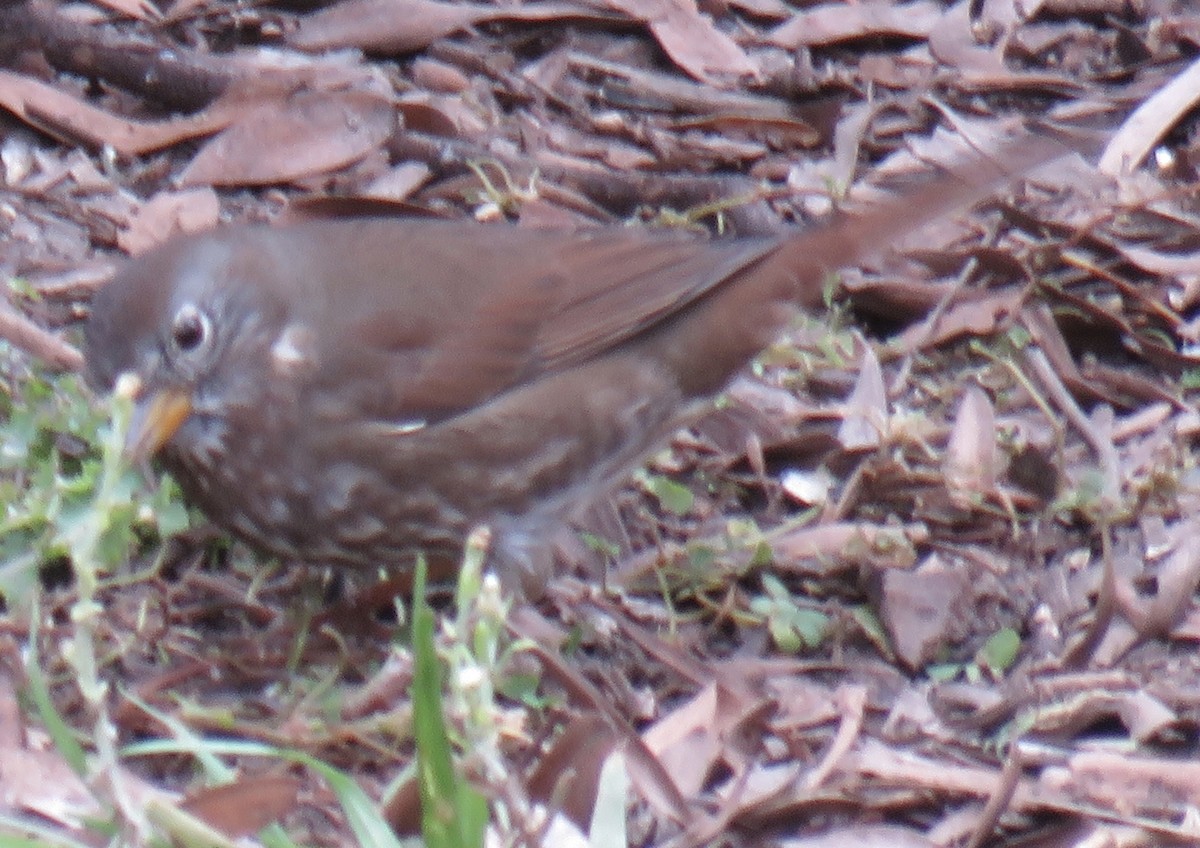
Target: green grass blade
x=453, y=814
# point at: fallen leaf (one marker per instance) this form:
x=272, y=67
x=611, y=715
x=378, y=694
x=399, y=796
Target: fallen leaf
x=918, y=607
x=838, y=22
x=277, y=140
x=247, y=805
x=971, y=464
x=167, y=214
x=402, y=26
x=691, y=40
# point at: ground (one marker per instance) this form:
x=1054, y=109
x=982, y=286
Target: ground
x=926, y=575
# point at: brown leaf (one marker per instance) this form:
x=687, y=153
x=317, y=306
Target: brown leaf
x=384, y=26
x=1128, y=783
x=398, y=183
x=971, y=462
x=693, y=738
x=845, y=21
x=142, y=10
x=402, y=26
x=981, y=315
x=864, y=836
x=36, y=780
x=691, y=39
x=1150, y=122
x=570, y=771
x=167, y=214
x=841, y=545
x=71, y=119
x=303, y=135
x=247, y=805
x=866, y=414
x=1175, y=580
x=917, y=608
x=952, y=42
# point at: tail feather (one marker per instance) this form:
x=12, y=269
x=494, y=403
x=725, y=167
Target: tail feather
x=849, y=239
x=745, y=312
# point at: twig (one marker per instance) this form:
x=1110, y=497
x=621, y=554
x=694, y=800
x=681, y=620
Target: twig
x=22, y=333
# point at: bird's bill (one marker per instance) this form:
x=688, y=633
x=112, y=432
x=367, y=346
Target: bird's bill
x=156, y=418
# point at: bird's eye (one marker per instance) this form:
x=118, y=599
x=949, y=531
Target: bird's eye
x=190, y=329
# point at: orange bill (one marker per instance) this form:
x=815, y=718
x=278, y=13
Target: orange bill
x=156, y=419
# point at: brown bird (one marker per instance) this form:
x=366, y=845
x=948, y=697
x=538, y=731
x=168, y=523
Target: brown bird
x=353, y=391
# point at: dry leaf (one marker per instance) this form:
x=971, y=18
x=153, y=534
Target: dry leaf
x=918, y=607
x=845, y=21
x=278, y=140
x=691, y=40
x=971, y=464
x=247, y=805
x=167, y=214
x=402, y=26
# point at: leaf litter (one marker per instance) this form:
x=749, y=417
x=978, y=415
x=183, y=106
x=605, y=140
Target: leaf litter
x=1000, y=412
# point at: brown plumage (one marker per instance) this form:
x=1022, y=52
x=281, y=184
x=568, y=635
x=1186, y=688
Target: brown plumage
x=352, y=391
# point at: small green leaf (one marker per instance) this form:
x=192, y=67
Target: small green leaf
x=775, y=588
x=783, y=636
x=941, y=672
x=1000, y=651
x=600, y=545
x=525, y=689
x=1018, y=337
x=793, y=628
x=702, y=557
x=170, y=513
x=866, y=618
x=673, y=497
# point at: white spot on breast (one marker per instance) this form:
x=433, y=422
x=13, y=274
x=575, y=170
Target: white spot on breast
x=278, y=510
x=293, y=349
x=338, y=486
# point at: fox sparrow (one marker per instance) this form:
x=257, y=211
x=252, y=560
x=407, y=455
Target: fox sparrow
x=351, y=391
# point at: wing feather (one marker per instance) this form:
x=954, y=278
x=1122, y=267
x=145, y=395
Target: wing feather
x=439, y=329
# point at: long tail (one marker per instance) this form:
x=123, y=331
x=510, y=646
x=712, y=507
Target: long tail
x=743, y=314
x=941, y=191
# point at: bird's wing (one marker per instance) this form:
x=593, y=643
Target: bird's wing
x=484, y=309
x=487, y=308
